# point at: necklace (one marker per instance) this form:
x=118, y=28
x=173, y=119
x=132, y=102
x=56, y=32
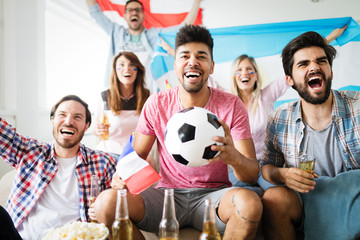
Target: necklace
x=127, y=98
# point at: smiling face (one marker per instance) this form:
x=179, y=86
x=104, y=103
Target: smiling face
x=311, y=75
x=126, y=71
x=134, y=16
x=69, y=125
x=246, y=76
x=193, y=65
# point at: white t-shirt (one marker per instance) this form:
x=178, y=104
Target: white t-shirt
x=58, y=205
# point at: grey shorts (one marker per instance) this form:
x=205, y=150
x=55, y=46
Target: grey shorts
x=189, y=207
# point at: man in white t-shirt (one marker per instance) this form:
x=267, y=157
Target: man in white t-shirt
x=239, y=210
x=53, y=181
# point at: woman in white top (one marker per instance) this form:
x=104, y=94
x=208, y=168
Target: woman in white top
x=123, y=102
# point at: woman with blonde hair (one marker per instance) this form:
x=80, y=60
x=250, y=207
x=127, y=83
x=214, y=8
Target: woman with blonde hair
x=123, y=102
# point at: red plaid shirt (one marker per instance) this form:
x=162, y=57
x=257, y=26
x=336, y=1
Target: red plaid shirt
x=36, y=167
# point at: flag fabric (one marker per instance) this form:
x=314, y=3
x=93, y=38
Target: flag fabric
x=158, y=13
x=135, y=171
x=265, y=42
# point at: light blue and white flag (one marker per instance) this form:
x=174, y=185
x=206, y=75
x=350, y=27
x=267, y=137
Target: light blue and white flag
x=265, y=42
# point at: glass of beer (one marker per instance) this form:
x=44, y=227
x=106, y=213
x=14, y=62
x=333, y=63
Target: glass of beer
x=307, y=159
x=94, y=191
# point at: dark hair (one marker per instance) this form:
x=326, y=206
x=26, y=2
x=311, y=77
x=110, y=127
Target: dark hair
x=194, y=33
x=308, y=39
x=129, y=1
x=73, y=98
x=141, y=93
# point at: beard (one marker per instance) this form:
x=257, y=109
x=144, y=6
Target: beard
x=68, y=143
x=319, y=98
x=191, y=88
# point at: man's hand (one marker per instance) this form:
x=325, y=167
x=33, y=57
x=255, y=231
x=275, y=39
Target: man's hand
x=117, y=182
x=228, y=152
x=92, y=212
x=299, y=180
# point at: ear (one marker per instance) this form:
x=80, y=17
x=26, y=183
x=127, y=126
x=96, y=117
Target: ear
x=212, y=67
x=87, y=126
x=289, y=80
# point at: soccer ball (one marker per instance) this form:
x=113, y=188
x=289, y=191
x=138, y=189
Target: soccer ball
x=188, y=136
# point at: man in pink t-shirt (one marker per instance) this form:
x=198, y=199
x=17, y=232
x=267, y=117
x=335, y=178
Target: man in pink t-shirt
x=239, y=210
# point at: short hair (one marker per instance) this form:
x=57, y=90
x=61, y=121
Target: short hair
x=194, y=33
x=130, y=1
x=308, y=39
x=73, y=98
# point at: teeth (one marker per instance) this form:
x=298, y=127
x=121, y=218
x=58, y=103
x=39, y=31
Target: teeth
x=314, y=78
x=192, y=74
x=66, y=131
x=127, y=75
x=244, y=79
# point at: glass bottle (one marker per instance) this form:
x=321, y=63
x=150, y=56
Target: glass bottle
x=210, y=230
x=94, y=190
x=169, y=226
x=105, y=120
x=307, y=159
x=122, y=226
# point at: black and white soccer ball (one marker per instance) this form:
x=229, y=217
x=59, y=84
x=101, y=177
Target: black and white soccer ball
x=188, y=136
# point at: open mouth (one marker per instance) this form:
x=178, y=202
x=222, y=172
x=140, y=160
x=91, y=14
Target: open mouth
x=67, y=132
x=315, y=82
x=134, y=19
x=127, y=75
x=192, y=75
x=245, y=80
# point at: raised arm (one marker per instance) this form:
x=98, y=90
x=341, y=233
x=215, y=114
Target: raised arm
x=335, y=34
x=90, y=2
x=190, y=18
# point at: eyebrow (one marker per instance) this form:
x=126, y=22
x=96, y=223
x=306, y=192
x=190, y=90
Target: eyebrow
x=76, y=114
x=307, y=61
x=198, y=52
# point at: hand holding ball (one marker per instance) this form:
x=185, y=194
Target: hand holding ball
x=189, y=136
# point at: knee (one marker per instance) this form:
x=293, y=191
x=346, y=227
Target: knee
x=105, y=205
x=281, y=201
x=247, y=204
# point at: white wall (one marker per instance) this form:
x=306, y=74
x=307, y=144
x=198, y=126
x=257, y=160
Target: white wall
x=22, y=46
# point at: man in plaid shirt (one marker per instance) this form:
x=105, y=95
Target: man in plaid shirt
x=331, y=117
x=52, y=183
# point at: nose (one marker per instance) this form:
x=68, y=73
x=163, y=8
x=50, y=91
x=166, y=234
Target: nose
x=69, y=120
x=314, y=66
x=193, y=61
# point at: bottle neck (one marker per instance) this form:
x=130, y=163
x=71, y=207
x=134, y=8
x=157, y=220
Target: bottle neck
x=121, y=205
x=209, y=217
x=169, y=205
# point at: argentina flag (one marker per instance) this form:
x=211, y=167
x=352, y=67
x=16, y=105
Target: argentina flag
x=265, y=42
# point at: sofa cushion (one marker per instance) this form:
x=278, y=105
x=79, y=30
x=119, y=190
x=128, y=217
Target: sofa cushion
x=332, y=209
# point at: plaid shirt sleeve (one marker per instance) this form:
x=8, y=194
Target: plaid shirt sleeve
x=13, y=147
x=273, y=154
x=92, y=163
